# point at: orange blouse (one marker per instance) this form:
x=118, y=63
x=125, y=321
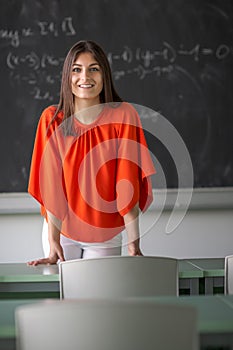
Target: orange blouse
x=92, y=178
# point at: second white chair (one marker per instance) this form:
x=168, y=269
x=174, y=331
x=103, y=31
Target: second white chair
x=106, y=325
x=121, y=276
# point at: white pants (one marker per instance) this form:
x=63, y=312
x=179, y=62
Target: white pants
x=76, y=250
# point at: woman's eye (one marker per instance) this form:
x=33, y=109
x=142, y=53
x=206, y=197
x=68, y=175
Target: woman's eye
x=94, y=69
x=76, y=70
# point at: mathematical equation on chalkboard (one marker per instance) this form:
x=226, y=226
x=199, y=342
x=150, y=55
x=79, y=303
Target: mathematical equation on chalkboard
x=42, y=28
x=168, y=54
x=40, y=71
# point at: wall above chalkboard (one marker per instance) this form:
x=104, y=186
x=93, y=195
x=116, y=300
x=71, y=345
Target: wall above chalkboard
x=175, y=57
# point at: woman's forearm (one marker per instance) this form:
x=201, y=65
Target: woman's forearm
x=132, y=224
x=54, y=228
x=131, y=221
x=54, y=231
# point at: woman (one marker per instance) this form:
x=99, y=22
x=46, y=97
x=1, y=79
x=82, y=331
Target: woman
x=90, y=167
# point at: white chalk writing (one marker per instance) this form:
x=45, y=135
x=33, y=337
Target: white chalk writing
x=40, y=71
x=45, y=28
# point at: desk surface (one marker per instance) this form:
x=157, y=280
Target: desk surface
x=215, y=312
x=18, y=280
x=210, y=267
x=188, y=268
x=7, y=315
x=21, y=272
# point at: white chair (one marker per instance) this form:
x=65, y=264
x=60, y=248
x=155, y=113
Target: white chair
x=106, y=325
x=119, y=276
x=228, y=280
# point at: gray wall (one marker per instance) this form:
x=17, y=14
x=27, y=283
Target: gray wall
x=205, y=231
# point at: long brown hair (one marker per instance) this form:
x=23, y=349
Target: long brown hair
x=108, y=94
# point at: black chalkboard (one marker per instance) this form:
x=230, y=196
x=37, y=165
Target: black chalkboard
x=175, y=57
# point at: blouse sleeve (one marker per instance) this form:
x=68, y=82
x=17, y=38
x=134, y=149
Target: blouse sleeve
x=133, y=182
x=46, y=175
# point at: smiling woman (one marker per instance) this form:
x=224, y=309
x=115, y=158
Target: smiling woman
x=90, y=168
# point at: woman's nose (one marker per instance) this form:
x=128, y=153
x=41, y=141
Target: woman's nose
x=84, y=74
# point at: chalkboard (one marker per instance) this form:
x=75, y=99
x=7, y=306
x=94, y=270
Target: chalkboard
x=175, y=57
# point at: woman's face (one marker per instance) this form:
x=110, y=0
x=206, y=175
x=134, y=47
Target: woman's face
x=86, y=79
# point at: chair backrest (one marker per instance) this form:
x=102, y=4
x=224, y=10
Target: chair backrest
x=228, y=281
x=119, y=276
x=106, y=324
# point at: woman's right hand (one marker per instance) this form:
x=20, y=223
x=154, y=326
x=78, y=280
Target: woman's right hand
x=56, y=253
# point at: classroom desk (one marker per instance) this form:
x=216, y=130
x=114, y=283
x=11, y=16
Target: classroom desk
x=189, y=277
x=215, y=319
x=18, y=280
x=7, y=321
x=213, y=272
